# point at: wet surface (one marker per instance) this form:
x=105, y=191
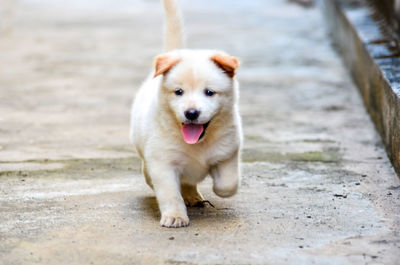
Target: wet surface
x=370, y=50
x=317, y=186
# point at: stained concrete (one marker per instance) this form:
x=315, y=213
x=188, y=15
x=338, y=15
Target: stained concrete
x=317, y=186
x=371, y=54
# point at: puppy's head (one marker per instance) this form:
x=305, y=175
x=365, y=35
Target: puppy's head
x=198, y=87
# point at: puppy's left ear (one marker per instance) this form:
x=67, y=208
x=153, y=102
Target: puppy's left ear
x=163, y=63
x=228, y=64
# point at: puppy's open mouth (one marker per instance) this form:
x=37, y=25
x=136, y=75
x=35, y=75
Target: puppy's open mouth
x=192, y=133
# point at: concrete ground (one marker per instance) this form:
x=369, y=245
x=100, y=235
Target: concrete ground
x=317, y=185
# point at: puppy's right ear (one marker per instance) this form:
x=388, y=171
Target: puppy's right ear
x=163, y=63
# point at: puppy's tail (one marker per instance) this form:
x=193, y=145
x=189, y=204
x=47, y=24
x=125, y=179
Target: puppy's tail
x=174, y=38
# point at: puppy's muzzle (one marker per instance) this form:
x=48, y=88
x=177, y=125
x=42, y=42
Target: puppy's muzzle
x=192, y=114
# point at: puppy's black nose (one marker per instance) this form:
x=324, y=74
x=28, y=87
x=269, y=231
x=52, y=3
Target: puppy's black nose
x=192, y=114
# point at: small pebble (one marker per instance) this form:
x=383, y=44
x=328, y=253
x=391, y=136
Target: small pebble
x=171, y=238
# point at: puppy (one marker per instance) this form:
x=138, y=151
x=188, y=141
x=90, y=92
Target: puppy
x=185, y=124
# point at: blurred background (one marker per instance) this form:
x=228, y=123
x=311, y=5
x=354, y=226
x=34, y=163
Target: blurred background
x=69, y=69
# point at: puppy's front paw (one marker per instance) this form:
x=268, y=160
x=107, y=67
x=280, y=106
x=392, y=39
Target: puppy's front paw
x=174, y=220
x=225, y=189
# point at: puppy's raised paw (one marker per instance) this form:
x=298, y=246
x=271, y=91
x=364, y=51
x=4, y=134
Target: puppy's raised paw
x=174, y=221
x=225, y=190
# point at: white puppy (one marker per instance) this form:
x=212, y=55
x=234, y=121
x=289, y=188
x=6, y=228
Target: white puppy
x=186, y=124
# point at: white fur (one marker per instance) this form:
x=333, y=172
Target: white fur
x=172, y=167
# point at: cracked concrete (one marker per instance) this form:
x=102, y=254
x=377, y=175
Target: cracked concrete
x=317, y=185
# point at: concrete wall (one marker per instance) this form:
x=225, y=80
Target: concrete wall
x=374, y=63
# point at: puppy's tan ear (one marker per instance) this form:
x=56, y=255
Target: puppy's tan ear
x=163, y=63
x=227, y=63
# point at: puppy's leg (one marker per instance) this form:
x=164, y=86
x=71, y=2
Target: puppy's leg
x=226, y=176
x=146, y=175
x=191, y=195
x=167, y=188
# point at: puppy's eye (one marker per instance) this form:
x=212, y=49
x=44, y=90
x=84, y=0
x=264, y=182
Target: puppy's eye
x=178, y=92
x=209, y=92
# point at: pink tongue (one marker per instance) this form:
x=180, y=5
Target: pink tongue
x=191, y=132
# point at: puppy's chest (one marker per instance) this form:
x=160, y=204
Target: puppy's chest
x=195, y=161
x=194, y=167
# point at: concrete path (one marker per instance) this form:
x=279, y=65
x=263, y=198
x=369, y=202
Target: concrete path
x=317, y=185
